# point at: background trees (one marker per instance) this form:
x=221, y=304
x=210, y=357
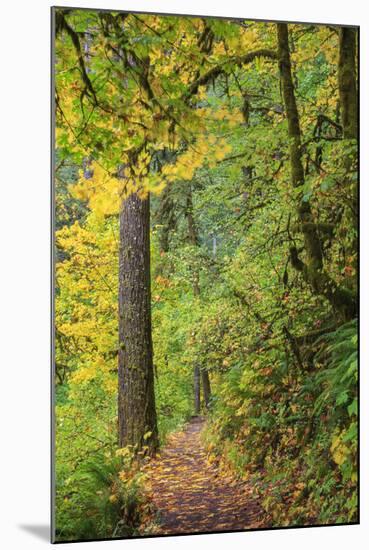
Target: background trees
x=244, y=135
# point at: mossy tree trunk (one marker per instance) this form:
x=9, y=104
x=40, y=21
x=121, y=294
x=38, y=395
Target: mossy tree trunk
x=165, y=218
x=349, y=118
x=341, y=299
x=136, y=399
x=347, y=82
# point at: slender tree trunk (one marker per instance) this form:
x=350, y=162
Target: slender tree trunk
x=192, y=229
x=196, y=389
x=194, y=240
x=312, y=270
x=206, y=387
x=165, y=217
x=136, y=399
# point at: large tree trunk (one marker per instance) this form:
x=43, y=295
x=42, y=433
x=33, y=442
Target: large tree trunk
x=136, y=399
x=312, y=270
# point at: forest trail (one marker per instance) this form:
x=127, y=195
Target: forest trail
x=192, y=496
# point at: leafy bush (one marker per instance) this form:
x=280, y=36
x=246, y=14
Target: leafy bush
x=294, y=433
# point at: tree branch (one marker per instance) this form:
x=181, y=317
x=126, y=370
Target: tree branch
x=221, y=69
x=63, y=25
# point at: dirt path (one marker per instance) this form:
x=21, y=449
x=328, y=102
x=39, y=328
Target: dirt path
x=190, y=494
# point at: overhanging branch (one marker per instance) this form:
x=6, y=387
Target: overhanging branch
x=238, y=61
x=63, y=25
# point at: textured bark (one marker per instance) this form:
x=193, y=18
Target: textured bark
x=311, y=237
x=347, y=82
x=136, y=399
x=313, y=272
x=349, y=113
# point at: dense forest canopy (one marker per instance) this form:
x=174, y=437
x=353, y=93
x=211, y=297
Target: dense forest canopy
x=206, y=261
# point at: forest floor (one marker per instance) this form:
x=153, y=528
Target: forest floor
x=193, y=496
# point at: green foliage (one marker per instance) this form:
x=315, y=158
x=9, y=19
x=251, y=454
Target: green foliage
x=227, y=296
x=104, y=498
x=296, y=438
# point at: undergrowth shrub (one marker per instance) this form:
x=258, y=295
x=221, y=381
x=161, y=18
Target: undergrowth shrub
x=293, y=431
x=104, y=498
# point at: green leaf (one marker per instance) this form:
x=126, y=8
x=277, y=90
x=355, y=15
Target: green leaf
x=352, y=408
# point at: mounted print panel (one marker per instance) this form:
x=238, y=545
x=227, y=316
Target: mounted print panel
x=205, y=177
